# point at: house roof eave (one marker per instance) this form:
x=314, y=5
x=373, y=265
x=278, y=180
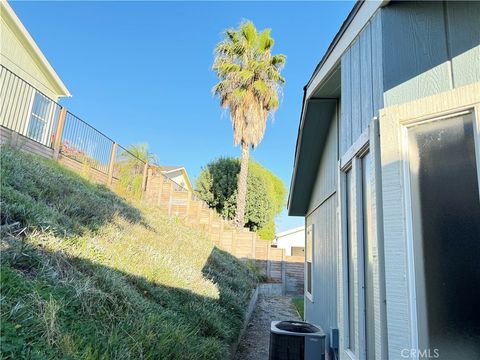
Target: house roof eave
x=62, y=89
x=357, y=19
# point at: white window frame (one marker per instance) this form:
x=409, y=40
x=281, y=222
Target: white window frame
x=309, y=230
x=368, y=142
x=411, y=222
x=48, y=121
x=403, y=327
x=351, y=162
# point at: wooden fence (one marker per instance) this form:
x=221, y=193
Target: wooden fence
x=72, y=142
x=241, y=243
x=179, y=202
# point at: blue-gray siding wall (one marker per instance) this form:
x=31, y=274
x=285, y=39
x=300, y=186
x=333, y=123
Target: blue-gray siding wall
x=407, y=51
x=429, y=47
x=361, y=83
x=322, y=213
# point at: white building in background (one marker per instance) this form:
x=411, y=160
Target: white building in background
x=292, y=240
x=29, y=86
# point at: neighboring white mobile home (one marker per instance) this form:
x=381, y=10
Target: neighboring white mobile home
x=28, y=110
x=386, y=175
x=179, y=175
x=292, y=240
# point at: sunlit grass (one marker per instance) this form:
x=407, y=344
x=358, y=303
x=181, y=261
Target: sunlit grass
x=88, y=275
x=299, y=303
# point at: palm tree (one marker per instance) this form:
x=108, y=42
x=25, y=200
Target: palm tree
x=141, y=152
x=249, y=85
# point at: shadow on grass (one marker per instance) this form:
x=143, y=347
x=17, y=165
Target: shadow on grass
x=55, y=306
x=39, y=193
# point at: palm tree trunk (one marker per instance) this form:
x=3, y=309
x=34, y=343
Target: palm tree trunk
x=242, y=186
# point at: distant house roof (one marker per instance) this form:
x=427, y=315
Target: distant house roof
x=33, y=48
x=170, y=168
x=290, y=231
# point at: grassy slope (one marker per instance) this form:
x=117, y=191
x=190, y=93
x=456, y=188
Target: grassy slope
x=86, y=275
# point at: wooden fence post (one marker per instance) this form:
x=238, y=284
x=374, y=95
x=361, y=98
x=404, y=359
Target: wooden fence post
x=145, y=176
x=14, y=139
x=233, y=248
x=254, y=245
x=57, y=142
x=160, y=190
x=189, y=200
x=269, y=263
x=210, y=216
x=170, y=195
x=111, y=164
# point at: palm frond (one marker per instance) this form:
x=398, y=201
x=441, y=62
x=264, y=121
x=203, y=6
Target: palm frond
x=249, y=32
x=249, y=80
x=265, y=42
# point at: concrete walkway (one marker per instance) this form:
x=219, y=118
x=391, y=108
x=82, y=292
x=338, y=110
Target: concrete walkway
x=255, y=341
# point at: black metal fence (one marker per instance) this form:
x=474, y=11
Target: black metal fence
x=26, y=110
x=30, y=112
x=82, y=142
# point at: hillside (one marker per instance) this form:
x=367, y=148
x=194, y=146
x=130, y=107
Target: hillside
x=87, y=275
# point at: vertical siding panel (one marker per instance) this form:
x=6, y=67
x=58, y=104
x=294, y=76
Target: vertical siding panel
x=356, y=93
x=326, y=179
x=346, y=104
x=24, y=103
x=323, y=311
x=3, y=89
x=16, y=103
x=5, y=98
x=463, y=20
x=415, y=51
x=366, y=77
x=377, y=63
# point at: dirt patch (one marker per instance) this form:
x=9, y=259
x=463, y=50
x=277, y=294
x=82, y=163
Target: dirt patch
x=255, y=341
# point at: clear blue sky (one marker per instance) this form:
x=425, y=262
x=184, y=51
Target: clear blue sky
x=140, y=72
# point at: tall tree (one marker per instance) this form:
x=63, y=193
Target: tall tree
x=249, y=85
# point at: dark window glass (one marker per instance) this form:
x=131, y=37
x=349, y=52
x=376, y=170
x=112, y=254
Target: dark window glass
x=446, y=215
x=368, y=260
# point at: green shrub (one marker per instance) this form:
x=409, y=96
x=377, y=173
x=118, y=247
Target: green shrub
x=217, y=186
